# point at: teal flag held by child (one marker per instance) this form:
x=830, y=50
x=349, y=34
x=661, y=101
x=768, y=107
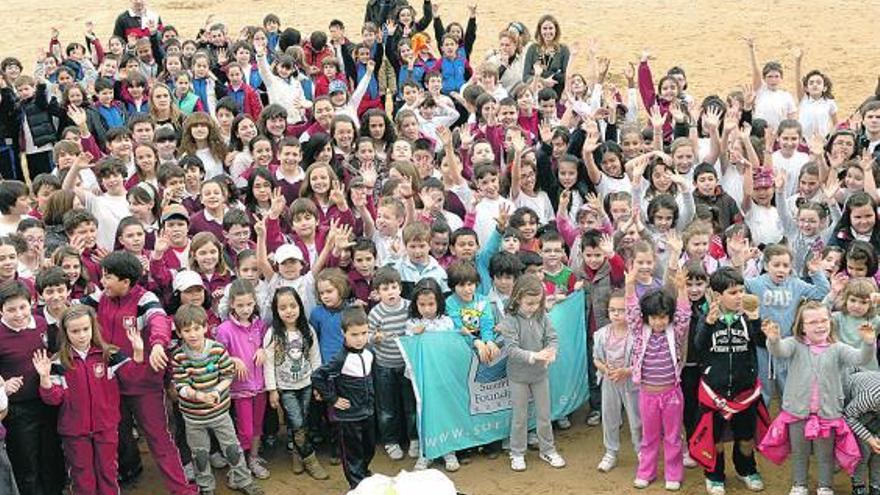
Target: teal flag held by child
x=464, y=403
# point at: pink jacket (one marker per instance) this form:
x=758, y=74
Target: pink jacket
x=776, y=447
x=676, y=335
x=243, y=342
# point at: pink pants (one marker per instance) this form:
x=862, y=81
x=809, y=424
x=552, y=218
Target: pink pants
x=92, y=462
x=249, y=412
x=661, y=414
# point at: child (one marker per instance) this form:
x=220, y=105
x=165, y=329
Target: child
x=51, y=285
x=242, y=335
x=612, y=357
x=811, y=419
x=707, y=192
x=417, y=264
x=292, y=355
x=30, y=425
x=14, y=205
x=531, y=344
x=202, y=374
x=788, y=161
x=36, y=110
x=393, y=390
x=560, y=277
x=856, y=308
x=108, y=208
x=490, y=205
x=346, y=382
x=7, y=480
x=861, y=414
x=79, y=379
x=471, y=311
x=772, y=103
x=726, y=341
x=659, y=325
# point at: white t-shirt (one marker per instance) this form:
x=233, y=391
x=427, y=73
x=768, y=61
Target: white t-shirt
x=486, y=213
x=815, y=116
x=539, y=203
x=791, y=167
x=109, y=211
x=213, y=167
x=609, y=184
x=764, y=223
x=773, y=106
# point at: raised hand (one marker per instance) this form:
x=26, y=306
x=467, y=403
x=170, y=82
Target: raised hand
x=771, y=330
x=677, y=112
x=42, y=363
x=545, y=132
x=657, y=119
x=466, y=137
x=674, y=242
x=629, y=72
x=277, y=203
x=606, y=245
x=503, y=216
x=838, y=282
x=444, y=134
x=712, y=117
x=714, y=312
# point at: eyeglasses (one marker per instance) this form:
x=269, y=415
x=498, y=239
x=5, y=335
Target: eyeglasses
x=616, y=311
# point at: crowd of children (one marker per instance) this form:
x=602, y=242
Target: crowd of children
x=206, y=236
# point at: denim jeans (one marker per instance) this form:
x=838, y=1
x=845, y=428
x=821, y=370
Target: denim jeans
x=296, y=409
x=395, y=405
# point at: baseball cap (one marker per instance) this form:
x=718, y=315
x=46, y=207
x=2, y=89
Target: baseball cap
x=288, y=252
x=174, y=211
x=337, y=86
x=186, y=279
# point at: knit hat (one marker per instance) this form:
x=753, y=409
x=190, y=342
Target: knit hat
x=337, y=86
x=763, y=178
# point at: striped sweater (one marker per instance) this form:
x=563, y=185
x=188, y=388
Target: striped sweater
x=203, y=371
x=862, y=412
x=391, y=321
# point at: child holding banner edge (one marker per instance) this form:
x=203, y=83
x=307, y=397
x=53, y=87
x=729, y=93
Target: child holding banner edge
x=531, y=345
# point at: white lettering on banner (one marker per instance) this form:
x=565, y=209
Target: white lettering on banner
x=488, y=388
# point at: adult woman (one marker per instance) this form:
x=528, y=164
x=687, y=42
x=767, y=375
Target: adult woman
x=548, y=52
x=509, y=58
x=162, y=108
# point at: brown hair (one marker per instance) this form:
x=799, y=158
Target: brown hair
x=201, y=240
x=215, y=141
x=862, y=288
x=64, y=346
x=798, y=329
x=336, y=278
x=526, y=285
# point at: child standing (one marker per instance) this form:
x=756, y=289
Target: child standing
x=862, y=413
x=659, y=324
x=531, y=344
x=79, y=379
x=811, y=418
x=612, y=356
x=346, y=382
x=242, y=335
x=729, y=390
x=397, y=404
x=203, y=373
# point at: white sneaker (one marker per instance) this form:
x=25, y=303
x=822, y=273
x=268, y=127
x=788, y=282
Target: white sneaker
x=824, y=491
x=799, y=490
x=689, y=461
x=218, y=461
x=554, y=459
x=190, y=472
x=394, y=451
x=422, y=464
x=451, y=462
x=517, y=463
x=753, y=482
x=715, y=487
x=563, y=423
x=414, y=449
x=640, y=483
x=256, y=465
x=607, y=463
x=673, y=486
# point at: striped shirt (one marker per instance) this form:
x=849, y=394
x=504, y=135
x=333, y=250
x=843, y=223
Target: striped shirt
x=391, y=321
x=862, y=412
x=657, y=367
x=202, y=370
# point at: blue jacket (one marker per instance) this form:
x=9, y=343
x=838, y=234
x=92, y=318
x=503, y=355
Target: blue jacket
x=328, y=326
x=475, y=317
x=454, y=73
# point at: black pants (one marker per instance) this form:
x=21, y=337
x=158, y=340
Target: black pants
x=742, y=426
x=10, y=162
x=595, y=389
x=34, y=447
x=358, y=443
x=690, y=383
x=39, y=163
x=395, y=406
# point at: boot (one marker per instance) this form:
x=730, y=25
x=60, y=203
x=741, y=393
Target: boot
x=297, y=463
x=314, y=468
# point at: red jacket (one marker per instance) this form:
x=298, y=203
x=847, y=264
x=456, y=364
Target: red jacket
x=88, y=393
x=314, y=57
x=139, y=309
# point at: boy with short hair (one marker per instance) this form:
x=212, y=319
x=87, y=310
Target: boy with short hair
x=385, y=231
x=123, y=305
x=202, y=374
x=172, y=181
x=504, y=268
x=112, y=111
x=346, y=382
x=708, y=192
x=692, y=369
x=417, y=263
x=37, y=111
x=562, y=280
x=489, y=207
x=108, y=208
x=730, y=393
x=237, y=236
x=362, y=271
x=51, y=285
x=471, y=311
x=42, y=187
x=395, y=400
x=290, y=174
x=81, y=228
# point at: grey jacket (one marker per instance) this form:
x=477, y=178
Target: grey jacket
x=804, y=366
x=523, y=337
x=599, y=339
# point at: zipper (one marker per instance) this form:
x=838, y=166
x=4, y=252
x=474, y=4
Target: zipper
x=729, y=362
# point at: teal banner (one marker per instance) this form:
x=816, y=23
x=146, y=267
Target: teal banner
x=464, y=403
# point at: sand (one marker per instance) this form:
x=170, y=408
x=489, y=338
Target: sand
x=703, y=37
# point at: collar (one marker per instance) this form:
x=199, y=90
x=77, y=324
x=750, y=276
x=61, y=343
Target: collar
x=31, y=325
x=212, y=218
x=50, y=320
x=298, y=177
x=82, y=355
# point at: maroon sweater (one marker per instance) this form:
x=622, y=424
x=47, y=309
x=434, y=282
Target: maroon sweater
x=16, y=354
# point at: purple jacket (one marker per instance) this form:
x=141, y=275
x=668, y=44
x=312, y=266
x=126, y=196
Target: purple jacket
x=243, y=342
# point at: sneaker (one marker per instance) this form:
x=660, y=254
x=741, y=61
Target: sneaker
x=640, y=483
x=714, y=487
x=799, y=490
x=824, y=491
x=289, y=446
x=860, y=490
x=451, y=463
x=269, y=442
x=594, y=418
x=874, y=490
x=517, y=463
x=554, y=459
x=563, y=423
x=607, y=463
x=252, y=489
x=422, y=464
x=753, y=482
x=414, y=449
x=532, y=440
x=257, y=468
x=189, y=471
x=394, y=451
x=218, y=461
x=689, y=461
x=673, y=486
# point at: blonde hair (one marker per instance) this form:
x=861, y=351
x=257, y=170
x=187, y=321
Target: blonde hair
x=860, y=287
x=64, y=346
x=526, y=285
x=798, y=329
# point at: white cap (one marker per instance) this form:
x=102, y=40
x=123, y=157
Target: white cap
x=186, y=279
x=288, y=252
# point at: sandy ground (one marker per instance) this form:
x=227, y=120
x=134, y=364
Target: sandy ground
x=702, y=37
